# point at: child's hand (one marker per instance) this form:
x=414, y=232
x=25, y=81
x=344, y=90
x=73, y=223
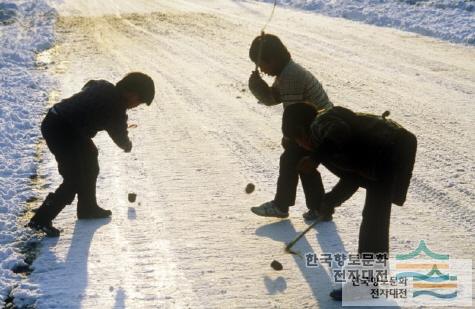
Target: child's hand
x=306, y=165
x=128, y=148
x=258, y=86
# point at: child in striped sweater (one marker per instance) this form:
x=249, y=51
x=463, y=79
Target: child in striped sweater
x=293, y=84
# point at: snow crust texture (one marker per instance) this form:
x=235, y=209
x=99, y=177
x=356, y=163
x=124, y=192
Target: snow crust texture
x=189, y=240
x=26, y=28
x=451, y=20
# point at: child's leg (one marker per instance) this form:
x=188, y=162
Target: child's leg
x=64, y=194
x=88, y=177
x=60, y=141
x=374, y=229
x=313, y=188
x=288, y=176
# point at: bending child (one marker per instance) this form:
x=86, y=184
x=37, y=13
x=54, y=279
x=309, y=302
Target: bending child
x=68, y=129
x=363, y=151
x=292, y=84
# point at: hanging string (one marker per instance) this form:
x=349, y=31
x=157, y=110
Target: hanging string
x=270, y=17
x=262, y=34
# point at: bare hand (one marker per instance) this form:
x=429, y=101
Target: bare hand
x=258, y=86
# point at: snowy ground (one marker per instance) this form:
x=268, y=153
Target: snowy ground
x=26, y=27
x=190, y=241
x=452, y=20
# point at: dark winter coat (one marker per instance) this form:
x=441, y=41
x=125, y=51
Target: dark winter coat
x=368, y=148
x=98, y=106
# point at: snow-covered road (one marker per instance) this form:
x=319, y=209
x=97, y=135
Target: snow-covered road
x=190, y=241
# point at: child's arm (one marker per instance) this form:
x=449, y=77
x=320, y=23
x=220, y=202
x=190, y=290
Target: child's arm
x=266, y=95
x=117, y=130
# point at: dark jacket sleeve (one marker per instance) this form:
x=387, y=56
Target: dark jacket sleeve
x=117, y=130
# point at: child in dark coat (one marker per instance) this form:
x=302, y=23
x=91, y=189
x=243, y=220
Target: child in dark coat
x=68, y=129
x=363, y=151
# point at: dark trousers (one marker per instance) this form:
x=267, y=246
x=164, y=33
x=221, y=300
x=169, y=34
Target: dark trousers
x=289, y=178
x=76, y=156
x=374, y=229
x=395, y=177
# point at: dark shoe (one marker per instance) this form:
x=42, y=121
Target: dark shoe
x=47, y=211
x=337, y=294
x=312, y=215
x=95, y=213
x=47, y=228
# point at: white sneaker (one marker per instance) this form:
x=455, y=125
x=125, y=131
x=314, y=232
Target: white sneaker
x=269, y=209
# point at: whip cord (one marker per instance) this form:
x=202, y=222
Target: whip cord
x=262, y=34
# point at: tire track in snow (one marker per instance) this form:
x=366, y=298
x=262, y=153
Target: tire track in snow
x=457, y=211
